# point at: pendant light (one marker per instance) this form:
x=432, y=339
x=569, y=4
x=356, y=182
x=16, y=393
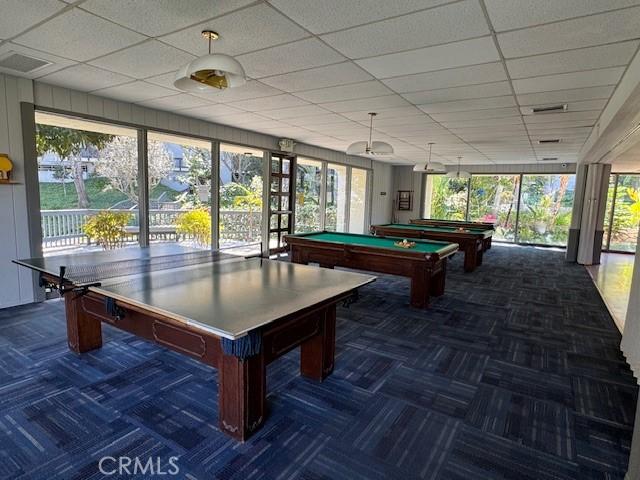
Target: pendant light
x=214, y=70
x=370, y=148
x=459, y=173
x=429, y=167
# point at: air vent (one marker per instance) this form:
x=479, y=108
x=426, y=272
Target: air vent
x=546, y=141
x=22, y=63
x=550, y=109
x=549, y=159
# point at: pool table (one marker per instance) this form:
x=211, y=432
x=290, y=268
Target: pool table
x=436, y=222
x=425, y=264
x=471, y=241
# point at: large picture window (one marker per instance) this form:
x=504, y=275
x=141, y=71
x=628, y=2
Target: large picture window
x=358, y=200
x=494, y=198
x=445, y=198
x=622, y=217
x=545, y=209
x=308, y=186
x=88, y=180
x=336, y=202
x=241, y=186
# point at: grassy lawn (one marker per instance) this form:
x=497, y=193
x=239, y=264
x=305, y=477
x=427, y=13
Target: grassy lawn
x=52, y=196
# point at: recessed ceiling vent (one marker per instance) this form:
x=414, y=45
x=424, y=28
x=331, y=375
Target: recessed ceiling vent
x=546, y=141
x=22, y=63
x=550, y=109
x=549, y=159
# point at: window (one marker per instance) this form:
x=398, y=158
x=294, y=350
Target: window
x=308, y=183
x=358, y=200
x=88, y=179
x=545, y=209
x=494, y=198
x=623, y=213
x=445, y=198
x=179, y=189
x=336, y=203
x=241, y=186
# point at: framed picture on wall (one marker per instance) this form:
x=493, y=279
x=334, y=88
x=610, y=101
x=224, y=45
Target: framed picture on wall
x=405, y=200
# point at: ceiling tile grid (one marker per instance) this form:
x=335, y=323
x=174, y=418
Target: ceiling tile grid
x=462, y=73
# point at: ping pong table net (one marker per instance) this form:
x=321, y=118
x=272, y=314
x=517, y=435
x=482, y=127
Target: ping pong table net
x=77, y=277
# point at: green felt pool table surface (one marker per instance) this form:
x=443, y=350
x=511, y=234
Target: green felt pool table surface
x=422, y=246
x=431, y=228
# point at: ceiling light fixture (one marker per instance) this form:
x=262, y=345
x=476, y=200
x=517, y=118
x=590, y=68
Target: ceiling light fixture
x=371, y=149
x=429, y=167
x=214, y=70
x=459, y=173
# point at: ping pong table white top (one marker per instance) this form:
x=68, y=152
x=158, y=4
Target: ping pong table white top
x=229, y=297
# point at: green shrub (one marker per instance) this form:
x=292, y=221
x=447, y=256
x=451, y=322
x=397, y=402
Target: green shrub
x=195, y=224
x=107, y=228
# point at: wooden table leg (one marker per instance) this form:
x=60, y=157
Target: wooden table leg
x=242, y=386
x=84, y=333
x=317, y=355
x=420, y=287
x=480, y=255
x=439, y=280
x=470, y=256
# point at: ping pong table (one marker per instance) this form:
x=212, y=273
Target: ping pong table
x=233, y=313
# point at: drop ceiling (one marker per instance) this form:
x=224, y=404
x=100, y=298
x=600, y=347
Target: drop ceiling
x=463, y=74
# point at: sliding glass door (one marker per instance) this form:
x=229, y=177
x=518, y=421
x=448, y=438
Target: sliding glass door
x=445, y=198
x=308, y=191
x=494, y=198
x=336, y=198
x=622, y=218
x=357, y=200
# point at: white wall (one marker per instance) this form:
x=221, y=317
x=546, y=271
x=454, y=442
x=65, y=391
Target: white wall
x=16, y=284
x=14, y=233
x=404, y=178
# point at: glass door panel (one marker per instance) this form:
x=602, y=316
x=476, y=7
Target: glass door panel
x=358, y=200
x=241, y=181
x=280, y=202
x=445, y=198
x=626, y=214
x=494, y=198
x=336, y=203
x=308, y=186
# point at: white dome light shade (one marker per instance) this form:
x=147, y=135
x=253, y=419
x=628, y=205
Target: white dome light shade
x=429, y=167
x=370, y=148
x=215, y=70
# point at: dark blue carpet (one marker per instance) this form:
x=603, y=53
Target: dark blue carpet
x=515, y=373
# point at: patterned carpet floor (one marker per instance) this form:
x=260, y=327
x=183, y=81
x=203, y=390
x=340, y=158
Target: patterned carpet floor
x=515, y=373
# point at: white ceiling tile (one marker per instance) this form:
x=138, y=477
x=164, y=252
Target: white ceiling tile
x=363, y=115
x=577, y=33
x=312, y=120
x=268, y=103
x=164, y=80
x=267, y=27
x=464, y=105
x=445, y=24
x=79, y=36
x=251, y=89
x=371, y=88
x=536, y=127
x=573, y=106
x=18, y=15
x=294, y=56
x=449, y=78
x=331, y=15
x=372, y=104
x=157, y=17
x=175, y=102
x=211, y=112
x=510, y=14
x=56, y=63
x=328, y=76
x=565, y=96
x=456, y=124
x=295, y=112
x=467, y=52
x=565, y=81
x=384, y=121
x=239, y=119
x=459, y=93
x=145, y=60
x=85, y=78
x=573, y=60
x=137, y=91
x=475, y=115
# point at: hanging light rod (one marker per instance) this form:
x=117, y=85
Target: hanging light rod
x=459, y=173
x=370, y=148
x=429, y=167
x=214, y=70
